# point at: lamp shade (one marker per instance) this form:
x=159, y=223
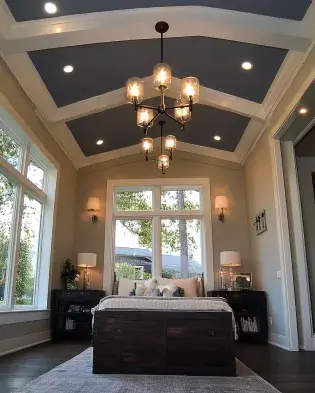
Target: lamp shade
x=93, y=204
x=86, y=259
x=221, y=202
x=230, y=258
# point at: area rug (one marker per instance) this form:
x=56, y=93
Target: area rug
x=75, y=376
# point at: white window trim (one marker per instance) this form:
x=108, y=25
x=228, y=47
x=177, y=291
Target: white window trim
x=138, y=184
x=21, y=133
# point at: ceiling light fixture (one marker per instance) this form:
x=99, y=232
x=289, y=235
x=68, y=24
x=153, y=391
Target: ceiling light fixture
x=217, y=138
x=50, y=8
x=100, y=142
x=146, y=115
x=303, y=111
x=166, y=155
x=247, y=65
x=68, y=69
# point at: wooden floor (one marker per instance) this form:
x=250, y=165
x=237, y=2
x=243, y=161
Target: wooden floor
x=290, y=372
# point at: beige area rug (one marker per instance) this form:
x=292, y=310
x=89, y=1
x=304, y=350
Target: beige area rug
x=75, y=376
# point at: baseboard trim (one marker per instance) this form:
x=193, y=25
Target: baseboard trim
x=18, y=343
x=279, y=340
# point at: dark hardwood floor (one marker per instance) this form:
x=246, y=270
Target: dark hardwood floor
x=290, y=372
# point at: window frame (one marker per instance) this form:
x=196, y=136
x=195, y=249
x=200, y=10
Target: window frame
x=10, y=123
x=156, y=214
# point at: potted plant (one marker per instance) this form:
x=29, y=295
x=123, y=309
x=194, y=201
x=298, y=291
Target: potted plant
x=70, y=275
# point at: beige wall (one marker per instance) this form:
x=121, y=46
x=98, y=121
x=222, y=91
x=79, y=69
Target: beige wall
x=226, y=178
x=66, y=195
x=265, y=248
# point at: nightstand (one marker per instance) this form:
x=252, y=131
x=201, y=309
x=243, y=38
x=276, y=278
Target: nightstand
x=71, y=316
x=250, y=310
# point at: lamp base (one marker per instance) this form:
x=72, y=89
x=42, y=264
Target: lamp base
x=87, y=280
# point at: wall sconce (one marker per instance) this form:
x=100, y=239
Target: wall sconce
x=93, y=205
x=221, y=203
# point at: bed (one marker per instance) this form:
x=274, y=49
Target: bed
x=145, y=335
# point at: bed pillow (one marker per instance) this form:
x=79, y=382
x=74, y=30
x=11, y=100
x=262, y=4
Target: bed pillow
x=189, y=285
x=126, y=286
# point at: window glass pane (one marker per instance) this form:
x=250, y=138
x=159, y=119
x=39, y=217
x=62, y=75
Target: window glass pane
x=35, y=175
x=28, y=252
x=134, y=201
x=133, y=249
x=180, y=200
x=9, y=150
x=7, y=203
x=181, y=248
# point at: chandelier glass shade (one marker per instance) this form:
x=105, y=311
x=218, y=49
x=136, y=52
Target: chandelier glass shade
x=147, y=115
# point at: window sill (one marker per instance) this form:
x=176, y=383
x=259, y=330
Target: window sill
x=23, y=315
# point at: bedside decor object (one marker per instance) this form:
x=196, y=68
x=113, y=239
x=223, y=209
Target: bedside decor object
x=87, y=260
x=243, y=281
x=221, y=203
x=70, y=275
x=93, y=205
x=260, y=222
x=230, y=259
x=222, y=279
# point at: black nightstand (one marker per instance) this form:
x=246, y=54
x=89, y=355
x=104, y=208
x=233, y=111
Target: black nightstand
x=250, y=310
x=71, y=316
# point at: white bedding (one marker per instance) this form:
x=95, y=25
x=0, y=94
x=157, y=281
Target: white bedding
x=162, y=303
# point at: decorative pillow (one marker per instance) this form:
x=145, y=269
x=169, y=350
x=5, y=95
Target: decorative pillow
x=178, y=292
x=140, y=289
x=126, y=285
x=154, y=293
x=189, y=285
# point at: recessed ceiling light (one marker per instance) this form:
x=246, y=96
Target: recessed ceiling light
x=217, y=138
x=303, y=111
x=68, y=69
x=100, y=142
x=247, y=65
x=50, y=8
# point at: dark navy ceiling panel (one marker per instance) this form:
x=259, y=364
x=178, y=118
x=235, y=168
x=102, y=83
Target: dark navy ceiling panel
x=117, y=128
x=100, y=68
x=34, y=9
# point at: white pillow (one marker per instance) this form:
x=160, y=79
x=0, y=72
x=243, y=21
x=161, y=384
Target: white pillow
x=189, y=285
x=125, y=286
x=163, y=281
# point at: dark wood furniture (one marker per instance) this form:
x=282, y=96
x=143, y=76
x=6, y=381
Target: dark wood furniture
x=163, y=342
x=80, y=302
x=247, y=305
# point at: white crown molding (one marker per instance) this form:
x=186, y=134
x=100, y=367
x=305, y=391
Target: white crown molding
x=252, y=131
x=136, y=24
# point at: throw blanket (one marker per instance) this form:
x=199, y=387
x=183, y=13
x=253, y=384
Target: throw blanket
x=162, y=303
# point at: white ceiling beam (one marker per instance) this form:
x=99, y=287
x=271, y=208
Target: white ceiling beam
x=137, y=24
x=98, y=103
x=6, y=21
x=116, y=98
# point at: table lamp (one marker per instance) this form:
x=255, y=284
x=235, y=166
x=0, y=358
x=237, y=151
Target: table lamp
x=230, y=259
x=87, y=260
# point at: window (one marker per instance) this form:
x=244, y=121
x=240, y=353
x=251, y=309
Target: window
x=27, y=189
x=159, y=229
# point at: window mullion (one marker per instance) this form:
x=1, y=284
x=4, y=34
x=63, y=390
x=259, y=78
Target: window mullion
x=16, y=247
x=156, y=235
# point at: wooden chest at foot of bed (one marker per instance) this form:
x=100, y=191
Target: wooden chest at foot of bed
x=163, y=342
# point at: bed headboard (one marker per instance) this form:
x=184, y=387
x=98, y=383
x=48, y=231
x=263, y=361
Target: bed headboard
x=200, y=286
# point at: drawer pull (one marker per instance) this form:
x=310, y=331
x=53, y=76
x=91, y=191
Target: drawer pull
x=212, y=333
x=118, y=331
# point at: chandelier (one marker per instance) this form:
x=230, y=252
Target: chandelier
x=147, y=115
